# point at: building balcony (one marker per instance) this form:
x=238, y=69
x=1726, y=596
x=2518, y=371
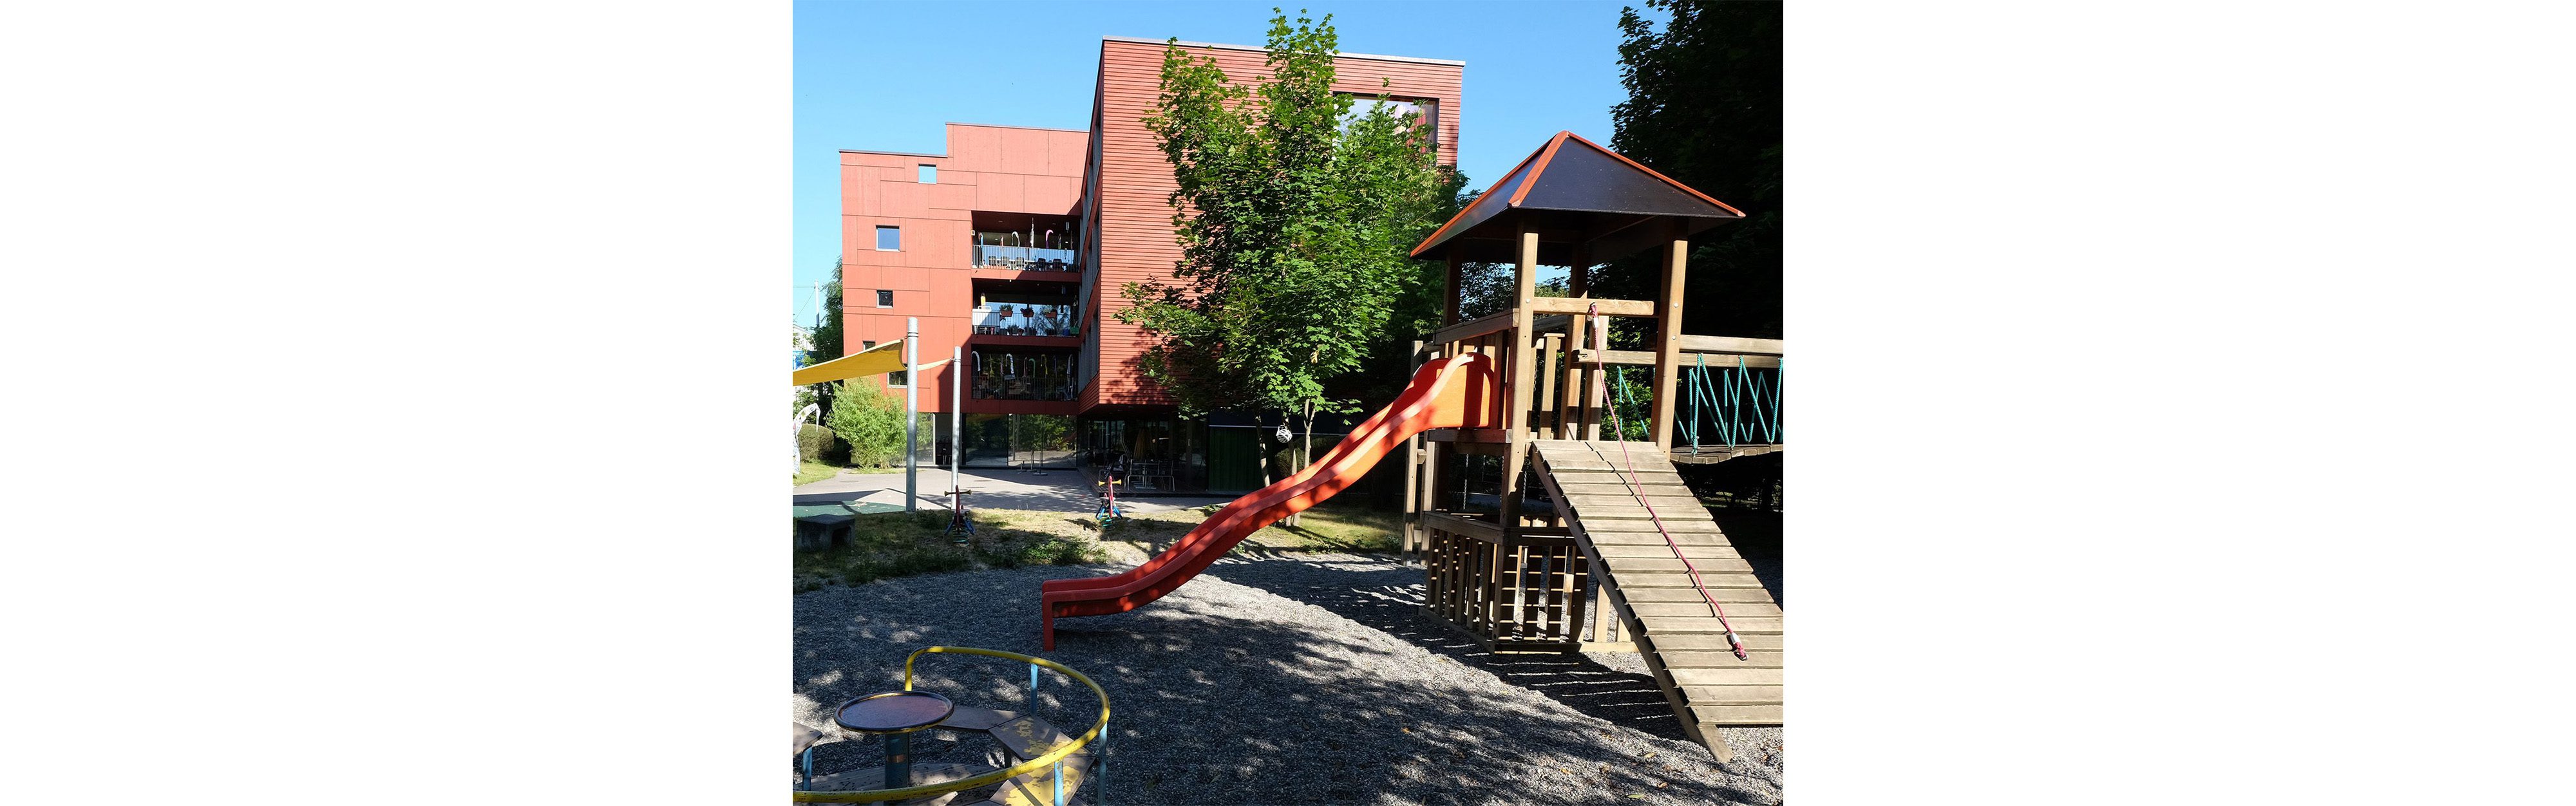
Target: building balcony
x=1026, y=258
x=1019, y=318
x=1020, y=374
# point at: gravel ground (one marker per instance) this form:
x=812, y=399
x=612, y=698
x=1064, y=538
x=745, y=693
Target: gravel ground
x=1299, y=677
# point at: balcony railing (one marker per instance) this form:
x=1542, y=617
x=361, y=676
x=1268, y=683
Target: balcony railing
x=1025, y=257
x=1025, y=319
x=1012, y=375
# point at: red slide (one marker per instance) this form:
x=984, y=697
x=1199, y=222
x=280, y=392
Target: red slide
x=1455, y=392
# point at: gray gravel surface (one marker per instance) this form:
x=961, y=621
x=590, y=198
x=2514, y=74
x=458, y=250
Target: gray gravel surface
x=1278, y=678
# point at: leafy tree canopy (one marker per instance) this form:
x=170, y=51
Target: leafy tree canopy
x=1704, y=108
x=1295, y=213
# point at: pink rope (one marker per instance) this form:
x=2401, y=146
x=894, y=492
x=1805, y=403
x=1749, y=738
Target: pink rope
x=1637, y=485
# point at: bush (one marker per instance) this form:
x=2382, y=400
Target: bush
x=870, y=421
x=812, y=441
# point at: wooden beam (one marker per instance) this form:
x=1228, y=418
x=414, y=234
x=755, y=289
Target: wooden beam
x=1609, y=307
x=1412, y=477
x=1550, y=344
x=1668, y=347
x=1519, y=390
x=1479, y=326
x=1733, y=345
x=1578, y=285
x=1639, y=358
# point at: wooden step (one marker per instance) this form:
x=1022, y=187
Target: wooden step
x=1669, y=564
x=1732, y=610
x=1566, y=476
x=1676, y=643
x=1645, y=533
x=1702, y=696
x=1672, y=525
x=1722, y=659
x=1646, y=545
x=1744, y=676
x=970, y=718
x=1029, y=737
x=1659, y=625
x=1621, y=487
x=1664, y=505
x=1724, y=596
x=1738, y=714
x=1676, y=579
x=1038, y=788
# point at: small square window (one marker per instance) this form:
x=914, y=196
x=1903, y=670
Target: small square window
x=889, y=239
x=930, y=174
x=885, y=299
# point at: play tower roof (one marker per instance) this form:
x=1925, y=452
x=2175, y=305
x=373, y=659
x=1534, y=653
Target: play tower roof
x=1574, y=193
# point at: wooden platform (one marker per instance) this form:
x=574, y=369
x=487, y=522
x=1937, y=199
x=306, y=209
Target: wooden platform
x=1643, y=579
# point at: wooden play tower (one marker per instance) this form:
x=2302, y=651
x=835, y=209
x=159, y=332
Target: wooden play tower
x=1593, y=541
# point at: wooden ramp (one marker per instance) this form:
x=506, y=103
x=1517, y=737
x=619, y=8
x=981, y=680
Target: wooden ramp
x=1645, y=585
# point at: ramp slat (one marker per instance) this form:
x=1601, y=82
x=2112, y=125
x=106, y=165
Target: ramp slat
x=1670, y=623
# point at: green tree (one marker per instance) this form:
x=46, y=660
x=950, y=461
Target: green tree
x=827, y=325
x=870, y=420
x=1704, y=108
x=827, y=334
x=1295, y=213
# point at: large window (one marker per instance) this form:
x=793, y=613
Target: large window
x=930, y=174
x=1022, y=375
x=1429, y=108
x=889, y=239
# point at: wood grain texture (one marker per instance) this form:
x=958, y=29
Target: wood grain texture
x=1647, y=561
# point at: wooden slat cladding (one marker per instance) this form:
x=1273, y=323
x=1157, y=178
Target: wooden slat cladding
x=1135, y=182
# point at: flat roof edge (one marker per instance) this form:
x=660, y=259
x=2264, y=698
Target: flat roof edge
x=1009, y=126
x=891, y=153
x=1221, y=46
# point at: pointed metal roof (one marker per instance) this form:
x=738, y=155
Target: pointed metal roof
x=1574, y=192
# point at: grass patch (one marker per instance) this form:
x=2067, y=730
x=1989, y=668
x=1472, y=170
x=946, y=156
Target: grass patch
x=1346, y=527
x=811, y=472
x=900, y=544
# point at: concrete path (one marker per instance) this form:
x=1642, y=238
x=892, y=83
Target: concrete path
x=1038, y=490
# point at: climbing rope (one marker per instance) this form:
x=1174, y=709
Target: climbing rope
x=1637, y=485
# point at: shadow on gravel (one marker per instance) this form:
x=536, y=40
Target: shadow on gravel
x=1388, y=598
x=1229, y=697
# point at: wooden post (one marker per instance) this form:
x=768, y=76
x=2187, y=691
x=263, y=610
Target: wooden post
x=1668, y=350
x=1549, y=344
x=1579, y=378
x=1428, y=495
x=1516, y=392
x=1412, y=476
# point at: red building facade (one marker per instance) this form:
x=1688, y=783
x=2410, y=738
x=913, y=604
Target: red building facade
x=1015, y=244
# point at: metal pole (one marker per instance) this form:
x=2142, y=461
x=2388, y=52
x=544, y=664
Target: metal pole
x=956, y=421
x=911, y=411
x=898, y=769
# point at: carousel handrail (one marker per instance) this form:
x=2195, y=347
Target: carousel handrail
x=996, y=776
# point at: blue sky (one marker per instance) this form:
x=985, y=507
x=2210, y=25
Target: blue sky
x=888, y=77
